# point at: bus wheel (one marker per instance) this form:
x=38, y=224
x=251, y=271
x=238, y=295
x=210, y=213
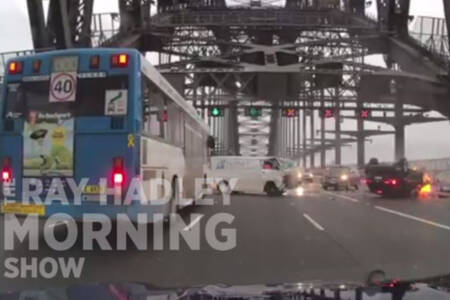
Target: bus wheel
x=175, y=198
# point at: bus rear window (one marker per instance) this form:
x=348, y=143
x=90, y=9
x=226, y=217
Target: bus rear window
x=24, y=97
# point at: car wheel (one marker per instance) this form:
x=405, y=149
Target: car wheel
x=356, y=187
x=325, y=187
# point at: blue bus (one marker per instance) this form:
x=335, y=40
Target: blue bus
x=96, y=114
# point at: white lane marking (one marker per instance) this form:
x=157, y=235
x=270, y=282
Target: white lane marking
x=343, y=197
x=311, y=220
x=394, y=212
x=195, y=221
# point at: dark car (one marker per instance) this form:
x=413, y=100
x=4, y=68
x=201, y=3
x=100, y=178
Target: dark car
x=395, y=179
x=339, y=177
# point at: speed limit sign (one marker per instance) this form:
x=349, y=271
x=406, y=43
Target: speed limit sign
x=63, y=87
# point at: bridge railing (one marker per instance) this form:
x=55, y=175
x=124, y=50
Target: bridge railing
x=431, y=33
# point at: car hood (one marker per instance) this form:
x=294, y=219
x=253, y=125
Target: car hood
x=303, y=290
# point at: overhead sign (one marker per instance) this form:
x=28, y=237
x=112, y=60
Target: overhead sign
x=116, y=102
x=63, y=87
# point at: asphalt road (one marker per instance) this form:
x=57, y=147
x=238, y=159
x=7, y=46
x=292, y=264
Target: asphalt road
x=319, y=235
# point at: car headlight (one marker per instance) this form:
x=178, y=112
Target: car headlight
x=311, y=175
x=299, y=175
x=344, y=177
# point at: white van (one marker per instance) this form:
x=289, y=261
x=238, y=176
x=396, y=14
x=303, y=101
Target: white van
x=253, y=175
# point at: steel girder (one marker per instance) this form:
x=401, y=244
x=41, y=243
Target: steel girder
x=134, y=14
x=393, y=15
x=447, y=17
x=68, y=24
x=338, y=46
x=300, y=19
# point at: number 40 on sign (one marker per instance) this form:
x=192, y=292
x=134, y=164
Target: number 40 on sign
x=63, y=87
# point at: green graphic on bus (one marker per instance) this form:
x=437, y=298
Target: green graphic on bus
x=48, y=144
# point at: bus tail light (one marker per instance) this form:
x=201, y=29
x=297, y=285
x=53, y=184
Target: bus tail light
x=6, y=170
x=118, y=177
x=15, y=67
x=37, y=66
x=118, y=171
x=120, y=60
x=95, y=62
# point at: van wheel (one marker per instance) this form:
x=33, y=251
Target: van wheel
x=272, y=190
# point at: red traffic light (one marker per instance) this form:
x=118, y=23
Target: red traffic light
x=290, y=112
x=365, y=113
x=328, y=113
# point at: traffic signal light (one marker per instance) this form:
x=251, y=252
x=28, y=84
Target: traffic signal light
x=252, y=111
x=365, y=113
x=290, y=112
x=216, y=111
x=327, y=113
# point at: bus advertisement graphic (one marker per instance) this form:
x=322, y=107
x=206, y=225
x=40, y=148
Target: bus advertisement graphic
x=48, y=144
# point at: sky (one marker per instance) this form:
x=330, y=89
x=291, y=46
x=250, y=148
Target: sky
x=422, y=141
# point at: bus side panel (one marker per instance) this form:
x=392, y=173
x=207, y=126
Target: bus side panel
x=195, y=153
x=160, y=160
x=11, y=146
